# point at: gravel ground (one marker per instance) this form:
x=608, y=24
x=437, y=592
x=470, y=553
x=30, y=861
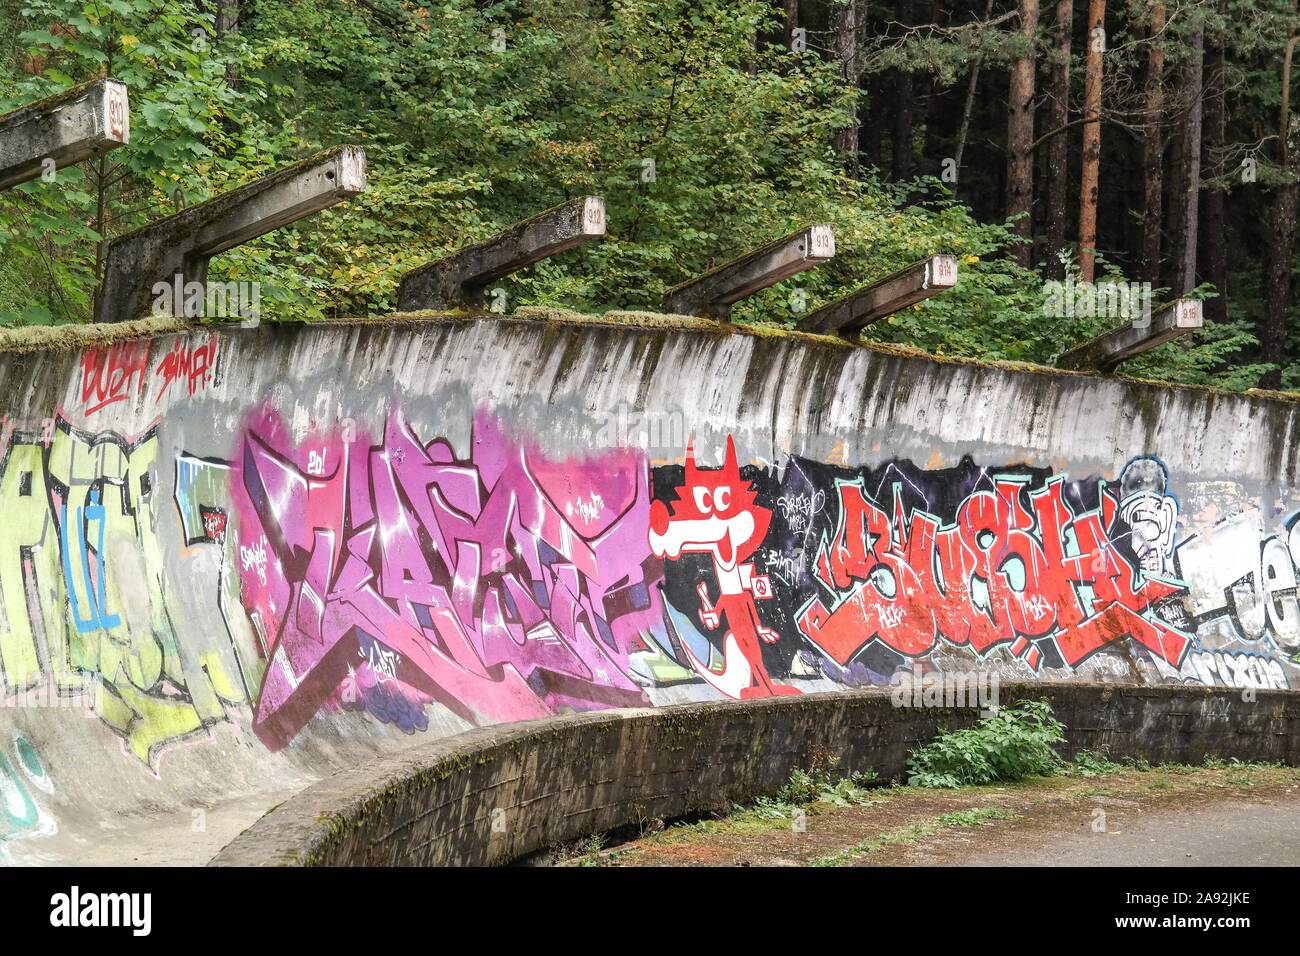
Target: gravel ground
x=1166, y=816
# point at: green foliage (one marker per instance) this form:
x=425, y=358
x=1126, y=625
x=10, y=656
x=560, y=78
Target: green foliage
x=973, y=817
x=1095, y=763
x=475, y=115
x=1014, y=743
x=821, y=785
x=1236, y=763
x=467, y=133
x=52, y=233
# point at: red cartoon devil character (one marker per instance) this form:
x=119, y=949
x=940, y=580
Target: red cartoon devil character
x=717, y=513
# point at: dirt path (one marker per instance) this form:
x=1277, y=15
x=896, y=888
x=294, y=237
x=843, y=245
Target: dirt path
x=1168, y=816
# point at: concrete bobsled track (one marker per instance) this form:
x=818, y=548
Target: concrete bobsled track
x=235, y=562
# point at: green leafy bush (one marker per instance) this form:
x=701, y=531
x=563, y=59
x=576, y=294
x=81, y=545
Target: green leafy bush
x=1014, y=743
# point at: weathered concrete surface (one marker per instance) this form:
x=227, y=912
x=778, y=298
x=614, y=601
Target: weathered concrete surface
x=459, y=280
x=494, y=795
x=714, y=292
x=63, y=130
x=245, y=560
x=179, y=247
x=883, y=298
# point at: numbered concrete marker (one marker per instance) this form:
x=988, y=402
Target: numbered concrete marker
x=461, y=279
x=185, y=242
x=63, y=130
x=713, y=293
x=1106, y=351
x=882, y=299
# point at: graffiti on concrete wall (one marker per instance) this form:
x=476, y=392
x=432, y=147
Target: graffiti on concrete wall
x=1005, y=567
x=126, y=372
x=386, y=572
x=716, y=513
x=23, y=780
x=83, y=601
x=293, y=572
x=1242, y=579
x=863, y=572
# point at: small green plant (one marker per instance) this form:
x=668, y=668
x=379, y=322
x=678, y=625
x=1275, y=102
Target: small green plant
x=820, y=784
x=1014, y=743
x=973, y=817
x=1236, y=763
x=1095, y=763
x=768, y=808
x=803, y=786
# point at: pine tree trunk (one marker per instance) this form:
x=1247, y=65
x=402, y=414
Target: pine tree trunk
x=902, y=158
x=877, y=117
x=1214, y=247
x=1020, y=135
x=791, y=22
x=1153, y=149
x=1058, y=148
x=226, y=17
x=1190, y=177
x=1091, y=164
x=844, y=46
x=1272, y=338
x=1277, y=272
x=226, y=22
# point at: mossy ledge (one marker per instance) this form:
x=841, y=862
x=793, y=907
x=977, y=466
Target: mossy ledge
x=57, y=338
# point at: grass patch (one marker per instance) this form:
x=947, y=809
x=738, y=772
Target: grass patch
x=810, y=791
x=973, y=817
x=977, y=816
x=1095, y=763
x=1232, y=763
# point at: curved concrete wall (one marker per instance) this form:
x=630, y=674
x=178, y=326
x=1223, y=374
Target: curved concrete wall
x=235, y=562
x=494, y=795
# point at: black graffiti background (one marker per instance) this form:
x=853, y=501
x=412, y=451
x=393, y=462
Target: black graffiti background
x=940, y=492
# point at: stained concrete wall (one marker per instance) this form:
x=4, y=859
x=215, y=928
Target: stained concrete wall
x=497, y=794
x=235, y=562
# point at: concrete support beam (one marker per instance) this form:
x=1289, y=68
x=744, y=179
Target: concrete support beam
x=713, y=293
x=460, y=280
x=63, y=130
x=1106, y=351
x=883, y=298
x=185, y=242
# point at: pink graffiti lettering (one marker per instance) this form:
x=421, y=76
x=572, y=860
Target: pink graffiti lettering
x=402, y=575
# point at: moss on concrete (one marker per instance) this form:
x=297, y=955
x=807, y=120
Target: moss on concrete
x=232, y=197
x=50, y=103
x=64, y=337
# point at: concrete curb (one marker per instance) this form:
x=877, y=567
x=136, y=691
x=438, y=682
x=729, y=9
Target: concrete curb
x=495, y=794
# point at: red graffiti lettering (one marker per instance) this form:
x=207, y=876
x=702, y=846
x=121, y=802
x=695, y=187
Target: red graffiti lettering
x=108, y=375
x=998, y=575
x=193, y=364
